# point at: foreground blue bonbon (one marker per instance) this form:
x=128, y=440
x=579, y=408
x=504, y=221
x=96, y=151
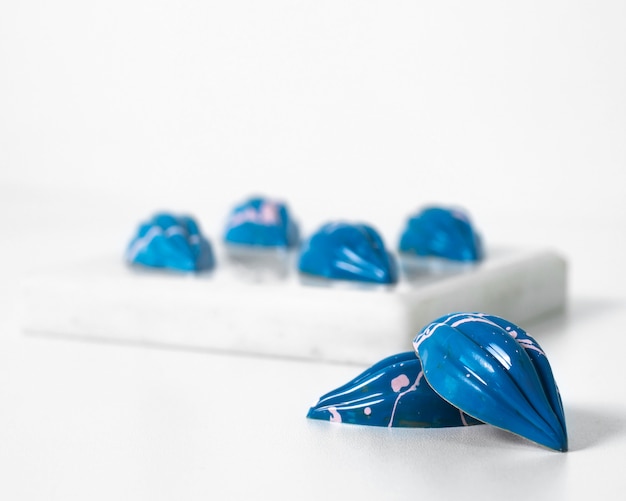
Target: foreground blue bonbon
x=392, y=393
x=348, y=252
x=494, y=371
x=261, y=222
x=443, y=233
x=173, y=242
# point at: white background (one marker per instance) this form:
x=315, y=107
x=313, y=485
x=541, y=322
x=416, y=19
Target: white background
x=355, y=110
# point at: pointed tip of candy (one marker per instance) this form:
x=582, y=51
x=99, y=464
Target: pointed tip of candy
x=555, y=442
x=563, y=446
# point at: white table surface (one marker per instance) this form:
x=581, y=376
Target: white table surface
x=355, y=110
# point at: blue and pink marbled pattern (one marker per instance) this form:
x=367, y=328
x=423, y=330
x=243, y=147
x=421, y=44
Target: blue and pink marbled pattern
x=261, y=222
x=173, y=242
x=391, y=393
x=467, y=368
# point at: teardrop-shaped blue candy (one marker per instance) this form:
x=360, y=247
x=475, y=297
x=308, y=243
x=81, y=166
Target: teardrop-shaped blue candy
x=391, y=393
x=493, y=371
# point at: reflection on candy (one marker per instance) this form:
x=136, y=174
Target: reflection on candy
x=261, y=222
x=168, y=241
x=348, y=252
x=391, y=393
x=444, y=233
x=492, y=370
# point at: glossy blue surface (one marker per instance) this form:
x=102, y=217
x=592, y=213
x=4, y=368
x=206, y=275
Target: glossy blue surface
x=391, y=393
x=494, y=371
x=261, y=222
x=348, y=252
x=443, y=233
x=174, y=242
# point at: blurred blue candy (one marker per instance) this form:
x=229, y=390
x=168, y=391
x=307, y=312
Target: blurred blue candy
x=391, y=393
x=261, y=222
x=444, y=233
x=348, y=252
x=168, y=241
x=492, y=370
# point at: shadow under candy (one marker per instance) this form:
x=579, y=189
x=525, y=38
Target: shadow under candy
x=589, y=428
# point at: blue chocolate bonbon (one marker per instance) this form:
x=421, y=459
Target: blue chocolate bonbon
x=494, y=371
x=261, y=222
x=348, y=252
x=443, y=233
x=391, y=393
x=169, y=241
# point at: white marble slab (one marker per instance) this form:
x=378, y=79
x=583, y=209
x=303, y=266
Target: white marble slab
x=261, y=306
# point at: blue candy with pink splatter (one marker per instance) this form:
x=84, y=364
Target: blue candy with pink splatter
x=467, y=368
x=172, y=242
x=261, y=222
x=391, y=393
